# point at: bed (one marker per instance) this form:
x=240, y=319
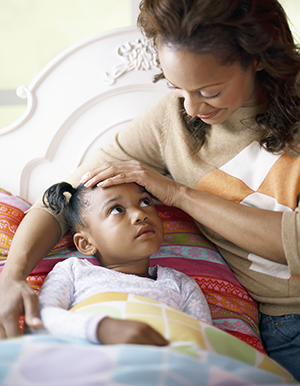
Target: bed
x=76, y=104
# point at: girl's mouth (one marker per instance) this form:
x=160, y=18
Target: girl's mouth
x=145, y=231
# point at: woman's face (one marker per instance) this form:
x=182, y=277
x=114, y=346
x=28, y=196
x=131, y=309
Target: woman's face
x=210, y=90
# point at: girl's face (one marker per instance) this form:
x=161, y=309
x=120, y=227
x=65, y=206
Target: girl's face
x=210, y=90
x=123, y=226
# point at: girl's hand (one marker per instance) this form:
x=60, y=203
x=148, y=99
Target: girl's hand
x=118, y=331
x=113, y=173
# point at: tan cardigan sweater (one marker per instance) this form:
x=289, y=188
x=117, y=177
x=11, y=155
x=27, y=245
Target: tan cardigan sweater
x=233, y=165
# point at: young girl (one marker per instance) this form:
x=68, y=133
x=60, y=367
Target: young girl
x=121, y=227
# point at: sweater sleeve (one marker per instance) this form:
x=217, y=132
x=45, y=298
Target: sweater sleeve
x=143, y=139
x=291, y=240
x=55, y=300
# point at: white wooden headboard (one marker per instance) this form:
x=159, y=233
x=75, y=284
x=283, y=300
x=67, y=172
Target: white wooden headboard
x=76, y=104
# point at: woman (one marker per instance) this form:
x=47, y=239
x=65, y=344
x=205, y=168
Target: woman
x=228, y=134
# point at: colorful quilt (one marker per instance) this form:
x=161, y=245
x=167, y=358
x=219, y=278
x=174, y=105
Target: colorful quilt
x=198, y=354
x=220, y=359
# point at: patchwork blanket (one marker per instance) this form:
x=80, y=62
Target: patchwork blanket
x=221, y=359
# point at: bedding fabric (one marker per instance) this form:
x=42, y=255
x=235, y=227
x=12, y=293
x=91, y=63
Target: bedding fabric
x=184, y=248
x=221, y=359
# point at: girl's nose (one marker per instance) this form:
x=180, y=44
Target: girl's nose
x=139, y=216
x=194, y=104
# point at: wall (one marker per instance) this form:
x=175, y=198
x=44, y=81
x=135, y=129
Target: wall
x=292, y=8
x=32, y=32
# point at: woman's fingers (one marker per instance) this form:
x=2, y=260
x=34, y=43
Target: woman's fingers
x=10, y=327
x=11, y=307
x=31, y=308
x=114, y=173
x=109, y=170
x=20, y=300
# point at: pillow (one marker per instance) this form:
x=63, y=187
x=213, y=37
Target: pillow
x=187, y=250
x=187, y=334
x=12, y=210
x=184, y=248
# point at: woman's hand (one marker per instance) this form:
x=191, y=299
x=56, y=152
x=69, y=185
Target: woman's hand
x=255, y=230
x=118, y=331
x=26, y=251
x=18, y=300
x=113, y=173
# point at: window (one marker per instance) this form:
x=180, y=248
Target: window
x=32, y=32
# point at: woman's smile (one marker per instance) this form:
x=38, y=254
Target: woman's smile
x=209, y=115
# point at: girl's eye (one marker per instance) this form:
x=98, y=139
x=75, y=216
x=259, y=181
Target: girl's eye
x=116, y=210
x=146, y=202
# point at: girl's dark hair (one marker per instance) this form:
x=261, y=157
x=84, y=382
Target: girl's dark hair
x=55, y=199
x=236, y=31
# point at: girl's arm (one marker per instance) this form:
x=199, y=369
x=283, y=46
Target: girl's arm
x=57, y=296
x=98, y=328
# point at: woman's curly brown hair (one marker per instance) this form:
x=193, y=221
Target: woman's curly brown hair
x=236, y=30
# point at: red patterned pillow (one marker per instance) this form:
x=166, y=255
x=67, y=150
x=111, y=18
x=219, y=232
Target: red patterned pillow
x=12, y=210
x=187, y=250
